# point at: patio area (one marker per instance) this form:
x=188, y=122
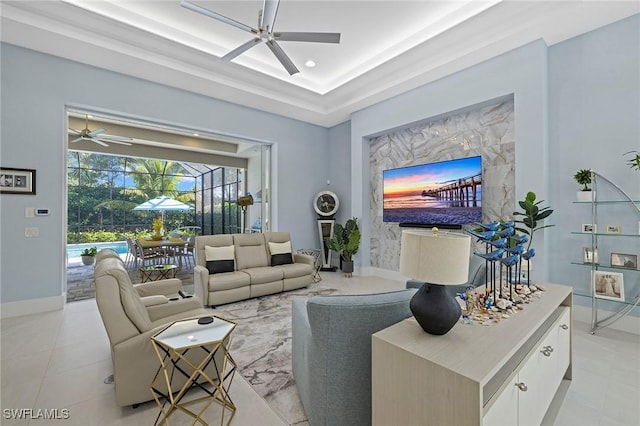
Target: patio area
x=81, y=286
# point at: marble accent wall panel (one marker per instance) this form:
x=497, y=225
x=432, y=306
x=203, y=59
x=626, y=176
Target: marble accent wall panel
x=487, y=131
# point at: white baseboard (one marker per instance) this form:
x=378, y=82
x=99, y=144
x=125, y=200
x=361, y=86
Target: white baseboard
x=31, y=306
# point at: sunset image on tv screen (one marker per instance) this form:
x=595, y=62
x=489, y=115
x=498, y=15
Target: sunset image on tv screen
x=446, y=192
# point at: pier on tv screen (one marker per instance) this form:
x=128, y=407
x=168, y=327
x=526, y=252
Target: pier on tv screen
x=442, y=193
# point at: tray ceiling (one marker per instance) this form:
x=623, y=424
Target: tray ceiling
x=386, y=48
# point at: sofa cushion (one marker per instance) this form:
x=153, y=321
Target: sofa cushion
x=280, y=253
x=220, y=259
x=295, y=270
x=264, y=274
x=228, y=281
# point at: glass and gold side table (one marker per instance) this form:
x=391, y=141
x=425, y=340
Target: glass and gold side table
x=157, y=272
x=198, y=353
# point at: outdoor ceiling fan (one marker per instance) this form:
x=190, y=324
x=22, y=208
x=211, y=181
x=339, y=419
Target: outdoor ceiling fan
x=98, y=136
x=265, y=33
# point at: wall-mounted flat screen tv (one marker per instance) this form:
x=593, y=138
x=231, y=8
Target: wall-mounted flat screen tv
x=446, y=193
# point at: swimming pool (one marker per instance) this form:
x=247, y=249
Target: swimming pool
x=74, y=250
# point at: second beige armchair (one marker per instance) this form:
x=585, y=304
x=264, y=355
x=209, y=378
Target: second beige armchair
x=131, y=315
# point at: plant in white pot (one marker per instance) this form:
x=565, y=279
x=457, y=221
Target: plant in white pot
x=583, y=177
x=346, y=242
x=88, y=255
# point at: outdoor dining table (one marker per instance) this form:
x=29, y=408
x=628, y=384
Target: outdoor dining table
x=165, y=246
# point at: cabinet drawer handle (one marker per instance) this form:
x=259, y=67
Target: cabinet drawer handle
x=546, y=352
x=564, y=327
x=522, y=386
x=548, y=348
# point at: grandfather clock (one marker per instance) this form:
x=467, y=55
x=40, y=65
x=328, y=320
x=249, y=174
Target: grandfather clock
x=326, y=205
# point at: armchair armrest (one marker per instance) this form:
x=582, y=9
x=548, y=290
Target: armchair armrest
x=173, y=307
x=301, y=340
x=169, y=287
x=155, y=300
x=201, y=283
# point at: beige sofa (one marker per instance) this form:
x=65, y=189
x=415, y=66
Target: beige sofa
x=131, y=315
x=251, y=273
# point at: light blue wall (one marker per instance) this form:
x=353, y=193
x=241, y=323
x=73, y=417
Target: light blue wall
x=35, y=90
x=594, y=106
x=340, y=168
x=521, y=72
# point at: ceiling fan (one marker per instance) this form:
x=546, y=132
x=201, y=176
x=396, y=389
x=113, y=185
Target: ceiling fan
x=97, y=136
x=265, y=33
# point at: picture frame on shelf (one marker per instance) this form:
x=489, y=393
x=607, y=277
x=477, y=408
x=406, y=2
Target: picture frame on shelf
x=624, y=260
x=613, y=229
x=590, y=255
x=608, y=285
x=17, y=181
x=589, y=228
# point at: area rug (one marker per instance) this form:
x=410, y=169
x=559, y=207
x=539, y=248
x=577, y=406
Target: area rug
x=261, y=347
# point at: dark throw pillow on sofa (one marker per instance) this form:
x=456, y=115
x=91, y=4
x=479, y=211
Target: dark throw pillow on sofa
x=280, y=253
x=219, y=266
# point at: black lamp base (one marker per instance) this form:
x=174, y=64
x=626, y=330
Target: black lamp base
x=434, y=309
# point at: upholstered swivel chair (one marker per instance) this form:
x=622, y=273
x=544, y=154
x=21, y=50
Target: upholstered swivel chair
x=332, y=352
x=131, y=315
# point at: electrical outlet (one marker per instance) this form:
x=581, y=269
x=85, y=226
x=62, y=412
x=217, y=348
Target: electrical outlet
x=31, y=232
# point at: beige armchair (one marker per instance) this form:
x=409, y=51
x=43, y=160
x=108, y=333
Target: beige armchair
x=131, y=315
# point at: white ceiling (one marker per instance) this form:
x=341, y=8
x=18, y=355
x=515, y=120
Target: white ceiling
x=386, y=48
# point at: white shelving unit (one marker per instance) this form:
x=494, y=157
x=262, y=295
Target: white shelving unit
x=620, y=206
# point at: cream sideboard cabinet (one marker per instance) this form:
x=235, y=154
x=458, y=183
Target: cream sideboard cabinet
x=509, y=373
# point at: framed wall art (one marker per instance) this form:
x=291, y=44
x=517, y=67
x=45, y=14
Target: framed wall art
x=614, y=229
x=590, y=255
x=589, y=227
x=17, y=181
x=623, y=260
x=608, y=285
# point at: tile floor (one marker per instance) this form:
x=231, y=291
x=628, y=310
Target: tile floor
x=60, y=360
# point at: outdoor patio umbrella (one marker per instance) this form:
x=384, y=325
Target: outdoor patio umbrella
x=163, y=203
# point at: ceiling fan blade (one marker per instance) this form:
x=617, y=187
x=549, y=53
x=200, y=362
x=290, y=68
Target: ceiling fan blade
x=95, y=132
x=116, y=138
x=217, y=16
x=310, y=37
x=117, y=142
x=77, y=139
x=243, y=48
x=74, y=131
x=282, y=57
x=268, y=16
x=99, y=142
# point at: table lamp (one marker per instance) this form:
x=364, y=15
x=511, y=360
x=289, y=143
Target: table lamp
x=438, y=259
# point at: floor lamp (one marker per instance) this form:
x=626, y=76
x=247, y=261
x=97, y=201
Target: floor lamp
x=244, y=202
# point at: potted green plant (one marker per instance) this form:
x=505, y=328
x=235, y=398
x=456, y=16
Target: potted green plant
x=532, y=214
x=634, y=162
x=88, y=255
x=346, y=242
x=583, y=177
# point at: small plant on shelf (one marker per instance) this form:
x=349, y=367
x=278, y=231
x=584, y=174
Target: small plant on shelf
x=634, y=162
x=583, y=177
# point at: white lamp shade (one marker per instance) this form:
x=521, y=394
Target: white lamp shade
x=435, y=258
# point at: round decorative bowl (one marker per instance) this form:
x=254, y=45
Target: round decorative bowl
x=156, y=237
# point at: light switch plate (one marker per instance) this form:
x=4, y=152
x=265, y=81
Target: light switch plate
x=32, y=232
